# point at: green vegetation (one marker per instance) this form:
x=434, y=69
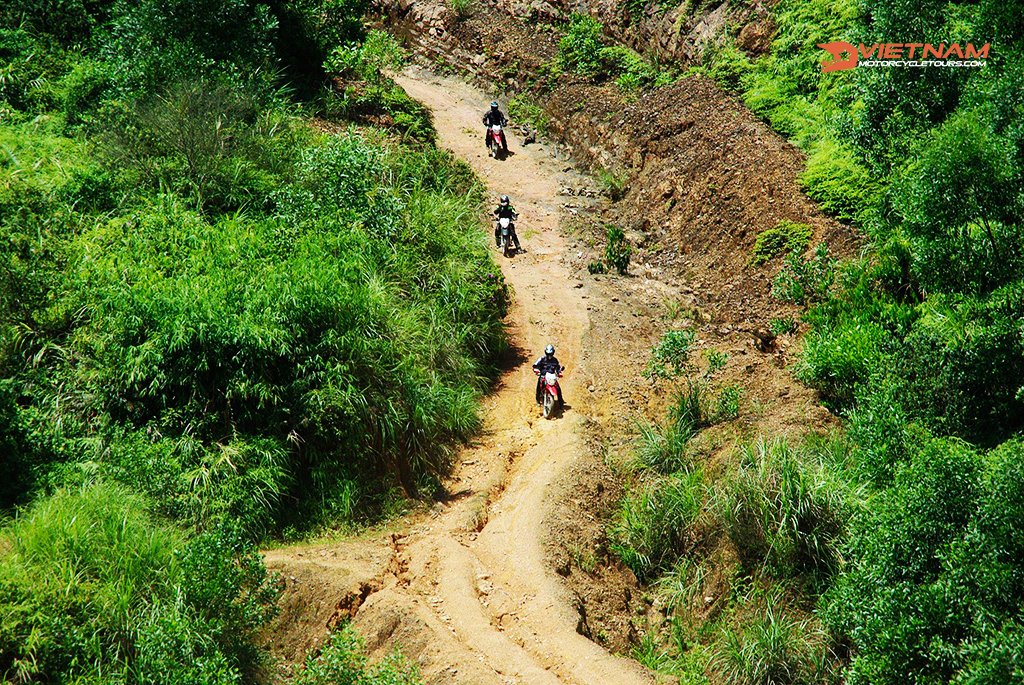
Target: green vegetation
x=90, y=582
x=218, y=324
x=670, y=358
x=523, y=110
x=617, y=250
x=888, y=552
x=464, y=8
x=614, y=184
x=342, y=661
x=786, y=237
x=583, y=50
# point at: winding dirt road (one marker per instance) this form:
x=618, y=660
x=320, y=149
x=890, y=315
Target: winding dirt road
x=465, y=591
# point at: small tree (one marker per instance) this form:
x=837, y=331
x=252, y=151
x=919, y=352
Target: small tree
x=618, y=250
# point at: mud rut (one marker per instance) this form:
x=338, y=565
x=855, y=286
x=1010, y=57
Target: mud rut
x=467, y=593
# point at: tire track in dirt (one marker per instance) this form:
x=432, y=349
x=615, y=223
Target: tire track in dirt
x=472, y=600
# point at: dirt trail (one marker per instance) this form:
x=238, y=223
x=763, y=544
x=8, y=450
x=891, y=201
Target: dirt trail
x=465, y=591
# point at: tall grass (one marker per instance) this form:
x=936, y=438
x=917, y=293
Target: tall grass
x=771, y=647
x=782, y=511
x=657, y=521
x=94, y=588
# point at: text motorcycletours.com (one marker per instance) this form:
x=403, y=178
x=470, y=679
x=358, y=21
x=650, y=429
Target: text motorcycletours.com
x=848, y=56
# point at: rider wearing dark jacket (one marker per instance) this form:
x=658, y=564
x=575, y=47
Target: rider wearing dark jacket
x=494, y=116
x=548, y=364
x=505, y=210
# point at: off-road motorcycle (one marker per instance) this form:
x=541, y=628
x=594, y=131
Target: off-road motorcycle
x=549, y=392
x=505, y=239
x=496, y=142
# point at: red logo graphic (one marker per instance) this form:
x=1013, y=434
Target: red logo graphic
x=837, y=50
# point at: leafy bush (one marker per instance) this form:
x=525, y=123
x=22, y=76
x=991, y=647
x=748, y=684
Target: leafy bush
x=69, y=22
x=803, y=282
x=368, y=59
x=671, y=356
x=783, y=326
x=342, y=661
x=203, y=139
x=579, y=49
x=839, y=182
x=523, y=110
x=726, y=65
x=614, y=185
x=630, y=70
x=152, y=43
x=785, y=237
x=727, y=405
x=837, y=361
x=92, y=586
x=617, y=250
x=907, y=600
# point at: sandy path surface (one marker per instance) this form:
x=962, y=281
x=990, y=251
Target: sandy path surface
x=465, y=591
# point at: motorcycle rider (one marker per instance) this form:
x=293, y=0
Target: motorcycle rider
x=494, y=116
x=505, y=210
x=548, y=364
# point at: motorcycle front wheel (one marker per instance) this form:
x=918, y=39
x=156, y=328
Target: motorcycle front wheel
x=549, y=404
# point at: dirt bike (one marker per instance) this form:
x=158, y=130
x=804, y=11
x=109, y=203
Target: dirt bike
x=496, y=142
x=505, y=242
x=549, y=391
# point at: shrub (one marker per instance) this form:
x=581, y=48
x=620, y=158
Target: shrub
x=837, y=361
x=656, y=522
x=614, y=185
x=352, y=344
x=83, y=89
x=579, y=49
x=781, y=511
x=92, y=586
x=841, y=184
x=342, y=661
x=366, y=60
x=617, y=250
x=156, y=42
x=804, y=282
x=521, y=109
x=783, y=326
x=671, y=356
x=630, y=70
x=785, y=237
x=726, y=64
x=727, y=405
x=904, y=600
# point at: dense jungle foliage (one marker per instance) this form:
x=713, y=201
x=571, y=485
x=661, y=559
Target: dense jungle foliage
x=218, y=322
x=890, y=553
